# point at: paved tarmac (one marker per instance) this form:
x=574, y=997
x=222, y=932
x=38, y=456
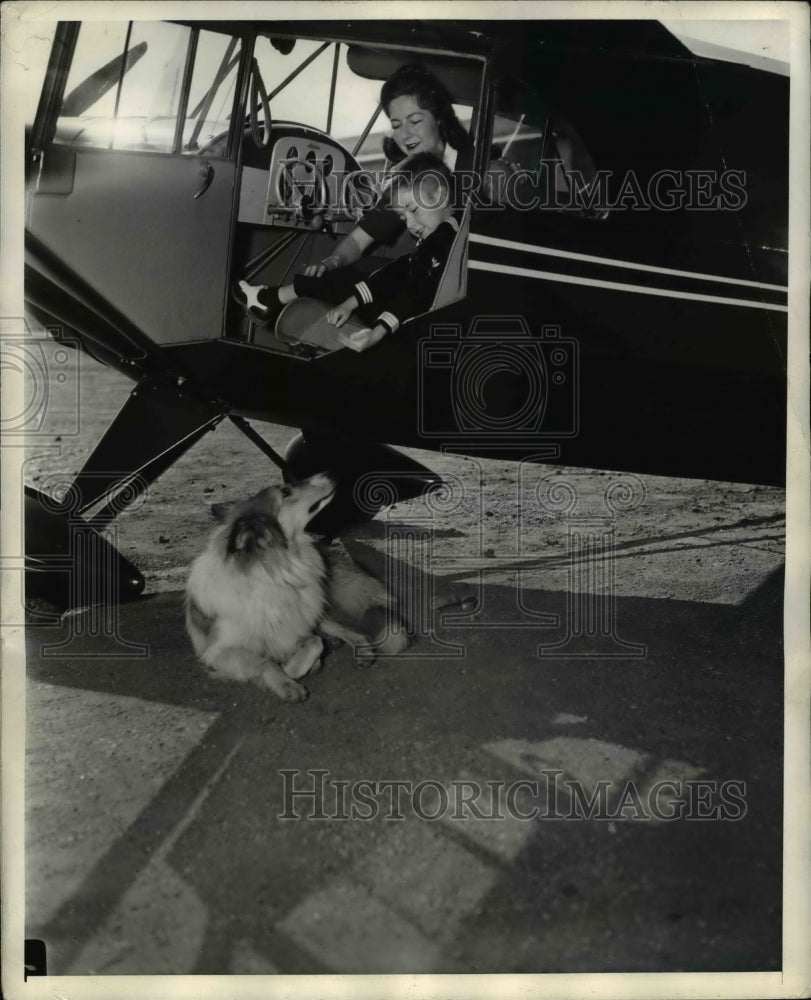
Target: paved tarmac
x=155, y=797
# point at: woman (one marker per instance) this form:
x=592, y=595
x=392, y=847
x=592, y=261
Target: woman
x=420, y=110
x=422, y=118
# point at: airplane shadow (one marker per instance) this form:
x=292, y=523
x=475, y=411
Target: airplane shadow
x=667, y=897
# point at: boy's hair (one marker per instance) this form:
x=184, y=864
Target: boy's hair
x=423, y=167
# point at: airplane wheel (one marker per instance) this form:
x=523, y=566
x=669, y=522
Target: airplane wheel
x=68, y=563
x=349, y=462
x=307, y=456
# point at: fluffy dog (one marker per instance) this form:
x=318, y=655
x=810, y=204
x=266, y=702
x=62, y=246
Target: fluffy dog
x=263, y=589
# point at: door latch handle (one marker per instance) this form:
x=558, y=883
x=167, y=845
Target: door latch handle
x=207, y=175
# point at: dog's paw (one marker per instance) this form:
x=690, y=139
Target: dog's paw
x=292, y=691
x=307, y=658
x=284, y=687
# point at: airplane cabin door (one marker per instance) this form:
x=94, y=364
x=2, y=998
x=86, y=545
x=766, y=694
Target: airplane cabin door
x=135, y=140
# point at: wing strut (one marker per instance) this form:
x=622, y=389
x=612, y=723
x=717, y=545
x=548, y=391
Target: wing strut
x=260, y=443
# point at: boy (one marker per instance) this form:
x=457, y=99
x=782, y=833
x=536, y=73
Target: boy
x=406, y=287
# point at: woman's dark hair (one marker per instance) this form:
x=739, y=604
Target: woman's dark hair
x=432, y=95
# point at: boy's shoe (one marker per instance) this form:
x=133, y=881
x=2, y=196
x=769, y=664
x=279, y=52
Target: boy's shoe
x=248, y=297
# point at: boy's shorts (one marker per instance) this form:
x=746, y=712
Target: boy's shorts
x=334, y=287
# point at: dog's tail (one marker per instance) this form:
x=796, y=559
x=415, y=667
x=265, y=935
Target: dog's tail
x=390, y=640
x=392, y=637
x=387, y=631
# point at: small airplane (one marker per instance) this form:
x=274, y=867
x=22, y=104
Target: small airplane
x=623, y=306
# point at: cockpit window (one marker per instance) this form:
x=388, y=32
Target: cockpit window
x=211, y=95
x=317, y=83
x=299, y=83
x=126, y=84
x=520, y=141
x=297, y=78
x=124, y=87
x=557, y=169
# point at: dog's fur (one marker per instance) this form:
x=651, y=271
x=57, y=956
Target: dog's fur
x=263, y=588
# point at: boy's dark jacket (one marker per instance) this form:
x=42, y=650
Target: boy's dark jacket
x=401, y=289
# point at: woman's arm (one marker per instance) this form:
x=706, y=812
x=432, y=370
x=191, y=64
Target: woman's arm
x=351, y=248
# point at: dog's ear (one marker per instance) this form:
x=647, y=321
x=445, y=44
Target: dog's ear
x=220, y=511
x=254, y=533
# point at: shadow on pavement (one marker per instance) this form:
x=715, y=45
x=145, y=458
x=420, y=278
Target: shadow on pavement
x=208, y=878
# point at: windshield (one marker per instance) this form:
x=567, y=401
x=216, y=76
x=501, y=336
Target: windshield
x=307, y=83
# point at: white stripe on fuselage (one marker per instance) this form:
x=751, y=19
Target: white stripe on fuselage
x=526, y=272
x=613, y=262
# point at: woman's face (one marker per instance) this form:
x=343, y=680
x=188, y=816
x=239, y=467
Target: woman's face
x=413, y=128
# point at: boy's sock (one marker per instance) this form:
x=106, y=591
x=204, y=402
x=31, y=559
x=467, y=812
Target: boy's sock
x=267, y=296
